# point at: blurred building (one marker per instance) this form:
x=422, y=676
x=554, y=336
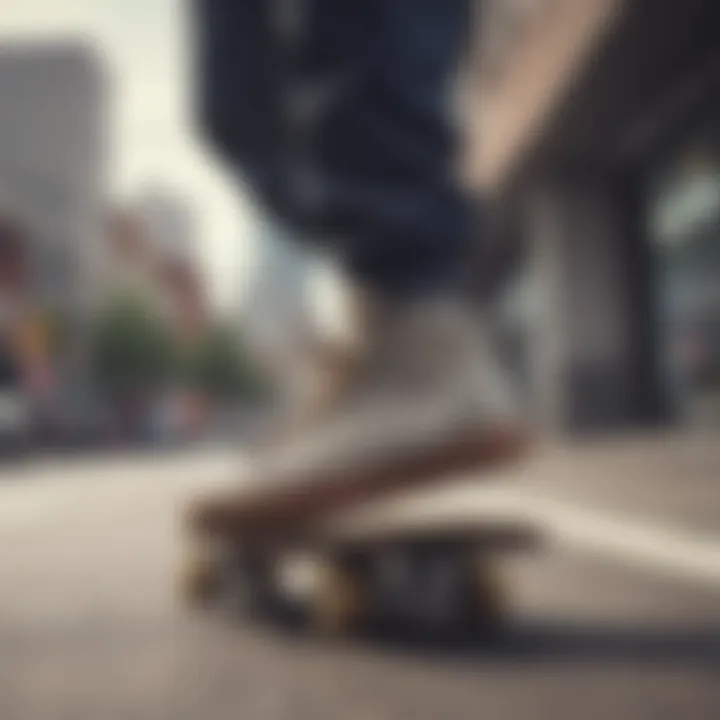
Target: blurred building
x=14, y=270
x=155, y=258
x=169, y=222
x=185, y=300
x=597, y=136
x=133, y=257
x=53, y=99
x=52, y=163
x=171, y=227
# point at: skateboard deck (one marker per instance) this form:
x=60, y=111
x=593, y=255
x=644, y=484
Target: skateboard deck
x=427, y=559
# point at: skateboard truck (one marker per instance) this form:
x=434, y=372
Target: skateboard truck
x=439, y=577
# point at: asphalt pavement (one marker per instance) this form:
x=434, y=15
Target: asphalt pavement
x=619, y=617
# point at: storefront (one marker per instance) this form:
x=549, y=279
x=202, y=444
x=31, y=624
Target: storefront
x=684, y=229
x=613, y=187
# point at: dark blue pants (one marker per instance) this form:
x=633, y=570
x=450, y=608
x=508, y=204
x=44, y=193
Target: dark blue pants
x=339, y=115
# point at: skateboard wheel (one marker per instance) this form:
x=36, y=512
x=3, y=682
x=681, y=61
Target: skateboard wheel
x=200, y=575
x=340, y=600
x=490, y=601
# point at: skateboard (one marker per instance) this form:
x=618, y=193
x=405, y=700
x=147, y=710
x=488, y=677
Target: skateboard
x=387, y=566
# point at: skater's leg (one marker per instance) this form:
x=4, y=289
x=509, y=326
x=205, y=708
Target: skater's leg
x=376, y=149
x=384, y=146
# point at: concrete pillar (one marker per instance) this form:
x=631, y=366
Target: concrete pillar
x=547, y=344
x=584, y=340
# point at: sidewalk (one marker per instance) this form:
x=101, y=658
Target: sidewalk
x=672, y=477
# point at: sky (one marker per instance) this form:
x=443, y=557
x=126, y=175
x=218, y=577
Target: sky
x=144, y=47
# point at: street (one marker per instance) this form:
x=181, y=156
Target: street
x=619, y=617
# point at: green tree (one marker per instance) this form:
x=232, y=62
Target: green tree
x=132, y=352
x=219, y=367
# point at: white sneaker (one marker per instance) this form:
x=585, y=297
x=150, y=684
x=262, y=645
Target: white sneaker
x=424, y=397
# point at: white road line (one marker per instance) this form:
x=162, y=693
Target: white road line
x=630, y=541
